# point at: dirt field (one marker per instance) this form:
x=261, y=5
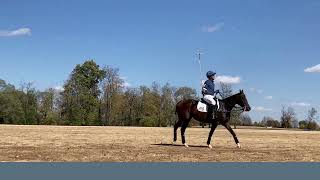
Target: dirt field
x=127, y=144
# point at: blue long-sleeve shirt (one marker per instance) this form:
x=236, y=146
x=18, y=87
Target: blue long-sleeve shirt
x=209, y=88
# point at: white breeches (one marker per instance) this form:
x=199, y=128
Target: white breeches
x=209, y=99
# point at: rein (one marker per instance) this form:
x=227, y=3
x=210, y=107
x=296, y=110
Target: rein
x=233, y=107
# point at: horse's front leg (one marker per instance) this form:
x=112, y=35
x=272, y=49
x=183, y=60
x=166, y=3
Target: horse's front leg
x=183, y=130
x=213, y=128
x=226, y=125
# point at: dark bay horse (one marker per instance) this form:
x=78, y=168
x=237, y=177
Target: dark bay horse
x=187, y=109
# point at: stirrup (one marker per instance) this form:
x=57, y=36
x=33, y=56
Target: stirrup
x=216, y=108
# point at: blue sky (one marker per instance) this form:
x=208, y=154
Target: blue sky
x=268, y=45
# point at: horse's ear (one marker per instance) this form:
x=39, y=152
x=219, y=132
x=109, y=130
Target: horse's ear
x=241, y=91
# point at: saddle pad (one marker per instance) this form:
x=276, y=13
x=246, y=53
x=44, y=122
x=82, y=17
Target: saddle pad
x=202, y=107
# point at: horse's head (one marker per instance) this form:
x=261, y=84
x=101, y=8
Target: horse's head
x=242, y=101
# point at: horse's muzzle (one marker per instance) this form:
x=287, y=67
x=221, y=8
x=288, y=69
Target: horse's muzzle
x=247, y=108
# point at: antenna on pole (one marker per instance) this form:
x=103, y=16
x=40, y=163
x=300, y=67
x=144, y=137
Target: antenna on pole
x=199, y=53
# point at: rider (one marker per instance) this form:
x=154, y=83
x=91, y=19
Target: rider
x=209, y=93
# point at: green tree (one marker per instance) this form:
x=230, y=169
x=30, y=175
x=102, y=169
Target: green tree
x=28, y=97
x=146, y=107
x=167, y=105
x=47, y=107
x=112, y=98
x=156, y=102
x=130, y=107
x=11, y=111
x=184, y=93
x=303, y=124
x=80, y=98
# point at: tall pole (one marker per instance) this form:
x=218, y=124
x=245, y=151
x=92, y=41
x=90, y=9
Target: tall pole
x=199, y=53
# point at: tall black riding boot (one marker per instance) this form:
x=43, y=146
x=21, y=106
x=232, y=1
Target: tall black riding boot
x=209, y=114
x=215, y=110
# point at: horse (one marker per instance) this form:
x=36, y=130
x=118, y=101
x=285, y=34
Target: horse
x=187, y=109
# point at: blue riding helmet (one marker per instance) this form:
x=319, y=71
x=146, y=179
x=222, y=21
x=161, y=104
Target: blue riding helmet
x=210, y=74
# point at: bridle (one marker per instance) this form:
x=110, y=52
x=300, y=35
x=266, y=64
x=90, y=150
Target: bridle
x=244, y=108
x=235, y=107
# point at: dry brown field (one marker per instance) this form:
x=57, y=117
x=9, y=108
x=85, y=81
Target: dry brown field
x=135, y=144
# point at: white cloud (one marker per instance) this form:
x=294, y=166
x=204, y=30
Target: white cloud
x=301, y=104
x=17, y=32
x=268, y=97
x=59, y=88
x=314, y=69
x=261, y=109
x=126, y=84
x=259, y=91
x=212, y=28
x=228, y=79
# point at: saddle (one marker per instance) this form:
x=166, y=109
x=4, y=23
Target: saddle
x=203, y=105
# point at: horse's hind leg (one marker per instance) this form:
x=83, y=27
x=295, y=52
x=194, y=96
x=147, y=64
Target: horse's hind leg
x=183, y=130
x=176, y=127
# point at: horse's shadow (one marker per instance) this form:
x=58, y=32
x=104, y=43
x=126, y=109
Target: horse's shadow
x=179, y=145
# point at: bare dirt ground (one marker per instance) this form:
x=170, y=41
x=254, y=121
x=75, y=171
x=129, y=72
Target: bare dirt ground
x=131, y=144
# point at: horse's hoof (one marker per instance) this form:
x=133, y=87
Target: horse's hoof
x=210, y=146
x=186, y=145
x=174, y=142
x=239, y=146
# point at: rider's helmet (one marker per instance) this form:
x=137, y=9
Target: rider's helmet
x=210, y=74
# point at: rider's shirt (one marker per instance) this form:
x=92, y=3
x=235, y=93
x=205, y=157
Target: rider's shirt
x=209, y=88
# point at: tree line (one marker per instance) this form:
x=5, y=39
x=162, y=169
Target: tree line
x=98, y=96
x=92, y=96
x=288, y=119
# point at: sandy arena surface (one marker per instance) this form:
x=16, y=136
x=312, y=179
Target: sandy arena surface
x=131, y=144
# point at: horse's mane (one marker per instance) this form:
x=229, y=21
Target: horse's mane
x=228, y=98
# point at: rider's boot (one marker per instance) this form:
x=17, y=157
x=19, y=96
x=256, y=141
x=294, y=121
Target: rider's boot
x=210, y=113
x=215, y=110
